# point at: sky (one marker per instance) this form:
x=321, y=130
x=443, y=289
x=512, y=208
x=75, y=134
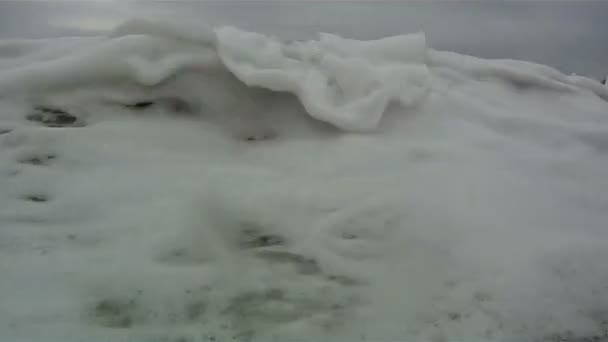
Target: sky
x=569, y=35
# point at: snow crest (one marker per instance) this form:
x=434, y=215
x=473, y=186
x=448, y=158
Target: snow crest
x=346, y=83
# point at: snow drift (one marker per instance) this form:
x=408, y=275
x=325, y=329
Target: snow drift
x=181, y=183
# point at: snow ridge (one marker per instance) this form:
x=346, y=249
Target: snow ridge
x=343, y=82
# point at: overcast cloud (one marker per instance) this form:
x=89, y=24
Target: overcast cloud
x=570, y=35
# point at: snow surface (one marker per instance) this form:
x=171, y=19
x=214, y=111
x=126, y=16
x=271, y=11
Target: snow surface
x=178, y=182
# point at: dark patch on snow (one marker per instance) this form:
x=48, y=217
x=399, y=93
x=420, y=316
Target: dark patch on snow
x=140, y=105
x=195, y=310
x=260, y=136
x=302, y=264
x=50, y=110
x=37, y=160
x=253, y=237
x=174, y=105
x=180, y=106
x=36, y=198
x=349, y=236
x=345, y=280
x=569, y=336
x=482, y=296
x=53, y=117
x=454, y=316
x=115, y=313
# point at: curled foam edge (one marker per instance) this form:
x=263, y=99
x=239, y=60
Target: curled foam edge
x=344, y=82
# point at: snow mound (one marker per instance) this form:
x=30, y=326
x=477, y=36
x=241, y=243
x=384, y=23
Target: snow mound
x=344, y=82
x=180, y=184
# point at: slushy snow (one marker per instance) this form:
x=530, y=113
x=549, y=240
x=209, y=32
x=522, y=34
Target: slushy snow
x=178, y=183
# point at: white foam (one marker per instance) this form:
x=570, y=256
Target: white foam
x=344, y=82
x=195, y=189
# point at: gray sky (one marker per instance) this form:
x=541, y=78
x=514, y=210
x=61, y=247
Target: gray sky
x=570, y=35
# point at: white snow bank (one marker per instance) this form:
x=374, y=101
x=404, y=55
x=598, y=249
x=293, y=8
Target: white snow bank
x=150, y=186
x=520, y=73
x=344, y=82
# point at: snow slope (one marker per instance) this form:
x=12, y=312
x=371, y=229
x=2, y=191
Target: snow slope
x=175, y=182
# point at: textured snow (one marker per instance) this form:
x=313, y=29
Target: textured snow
x=346, y=83
x=194, y=184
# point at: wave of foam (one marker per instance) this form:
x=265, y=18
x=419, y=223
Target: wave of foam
x=477, y=211
x=344, y=82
